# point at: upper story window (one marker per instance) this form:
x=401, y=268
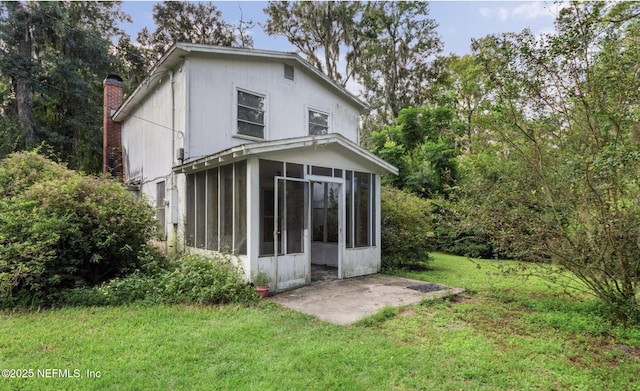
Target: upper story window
x=250, y=114
x=318, y=122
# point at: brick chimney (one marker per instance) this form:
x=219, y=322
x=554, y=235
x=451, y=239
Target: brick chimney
x=112, y=140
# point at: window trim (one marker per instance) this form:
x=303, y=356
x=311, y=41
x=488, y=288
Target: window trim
x=308, y=119
x=236, y=117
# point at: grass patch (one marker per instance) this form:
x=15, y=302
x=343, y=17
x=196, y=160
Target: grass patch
x=507, y=334
x=386, y=313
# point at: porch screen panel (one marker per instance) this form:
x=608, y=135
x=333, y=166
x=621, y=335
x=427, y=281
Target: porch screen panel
x=295, y=214
x=160, y=209
x=268, y=170
x=240, y=209
x=319, y=212
x=280, y=216
x=201, y=197
x=323, y=171
x=349, y=207
x=294, y=170
x=212, y=209
x=331, y=229
x=362, y=208
x=226, y=208
x=191, y=211
x=372, y=192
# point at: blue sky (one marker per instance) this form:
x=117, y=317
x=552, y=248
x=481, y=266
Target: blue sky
x=458, y=21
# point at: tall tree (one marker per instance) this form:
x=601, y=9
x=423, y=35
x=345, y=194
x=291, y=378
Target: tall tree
x=56, y=73
x=182, y=21
x=462, y=85
x=422, y=145
x=397, y=43
x=133, y=64
x=319, y=30
x=17, y=62
x=566, y=114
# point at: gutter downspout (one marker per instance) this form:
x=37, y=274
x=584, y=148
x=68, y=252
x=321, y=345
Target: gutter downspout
x=174, y=185
x=173, y=123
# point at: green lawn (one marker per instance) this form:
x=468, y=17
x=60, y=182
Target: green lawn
x=505, y=334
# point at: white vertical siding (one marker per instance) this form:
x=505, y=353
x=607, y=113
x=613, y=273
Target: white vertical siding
x=198, y=113
x=212, y=114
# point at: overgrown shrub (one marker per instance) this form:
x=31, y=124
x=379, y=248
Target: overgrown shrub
x=22, y=170
x=456, y=233
x=406, y=230
x=207, y=280
x=192, y=279
x=60, y=229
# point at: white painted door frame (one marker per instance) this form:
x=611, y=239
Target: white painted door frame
x=341, y=215
x=276, y=221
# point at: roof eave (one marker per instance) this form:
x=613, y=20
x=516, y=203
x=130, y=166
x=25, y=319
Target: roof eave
x=180, y=50
x=237, y=153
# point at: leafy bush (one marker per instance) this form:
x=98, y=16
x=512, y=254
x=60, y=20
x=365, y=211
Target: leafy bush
x=456, y=233
x=134, y=288
x=407, y=232
x=207, y=280
x=60, y=229
x=20, y=171
x=192, y=279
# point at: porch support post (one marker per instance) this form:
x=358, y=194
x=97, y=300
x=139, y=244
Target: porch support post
x=253, y=215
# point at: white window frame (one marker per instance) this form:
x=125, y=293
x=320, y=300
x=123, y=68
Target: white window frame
x=308, y=119
x=236, y=118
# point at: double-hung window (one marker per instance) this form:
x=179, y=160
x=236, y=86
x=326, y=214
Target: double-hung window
x=318, y=123
x=251, y=112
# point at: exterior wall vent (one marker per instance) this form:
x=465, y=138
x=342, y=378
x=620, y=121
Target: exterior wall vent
x=288, y=72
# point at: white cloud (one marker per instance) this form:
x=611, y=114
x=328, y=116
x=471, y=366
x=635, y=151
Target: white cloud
x=533, y=10
x=503, y=14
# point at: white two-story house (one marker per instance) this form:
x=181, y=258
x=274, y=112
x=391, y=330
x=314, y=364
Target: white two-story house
x=252, y=152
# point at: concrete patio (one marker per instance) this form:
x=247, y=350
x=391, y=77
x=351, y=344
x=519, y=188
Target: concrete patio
x=346, y=301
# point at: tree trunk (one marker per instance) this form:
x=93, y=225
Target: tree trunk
x=24, y=94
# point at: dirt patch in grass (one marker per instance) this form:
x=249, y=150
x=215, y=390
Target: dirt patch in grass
x=47, y=348
x=630, y=351
x=463, y=299
x=406, y=312
x=593, y=350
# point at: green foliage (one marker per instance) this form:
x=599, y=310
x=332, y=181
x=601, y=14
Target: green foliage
x=565, y=132
x=422, y=145
x=22, y=170
x=510, y=335
x=60, y=229
x=191, y=279
x=499, y=205
x=319, y=30
x=392, y=55
x=386, y=46
x=375, y=320
x=406, y=229
x=54, y=56
x=261, y=279
x=207, y=280
x=456, y=233
x=11, y=138
x=182, y=21
x=462, y=84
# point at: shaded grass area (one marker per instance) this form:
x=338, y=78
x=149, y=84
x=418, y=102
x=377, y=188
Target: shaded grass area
x=505, y=334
